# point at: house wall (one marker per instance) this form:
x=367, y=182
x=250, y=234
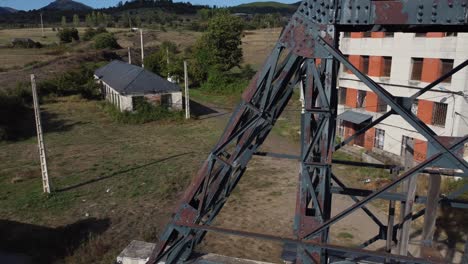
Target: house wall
x=177, y=103
x=125, y=102
x=122, y=102
x=402, y=48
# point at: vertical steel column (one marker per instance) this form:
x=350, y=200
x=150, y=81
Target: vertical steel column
x=318, y=124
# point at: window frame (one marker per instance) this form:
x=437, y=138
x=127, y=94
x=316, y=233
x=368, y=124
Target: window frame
x=384, y=66
x=361, y=103
x=443, y=71
x=379, y=138
x=420, y=62
x=439, y=114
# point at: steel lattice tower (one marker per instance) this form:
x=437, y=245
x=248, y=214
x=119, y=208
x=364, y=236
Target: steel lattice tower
x=308, y=52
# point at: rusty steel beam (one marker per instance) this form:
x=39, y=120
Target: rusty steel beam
x=307, y=52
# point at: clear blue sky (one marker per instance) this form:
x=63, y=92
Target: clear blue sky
x=36, y=4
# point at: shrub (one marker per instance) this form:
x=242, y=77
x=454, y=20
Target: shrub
x=247, y=72
x=219, y=82
x=144, y=113
x=25, y=44
x=90, y=33
x=15, y=111
x=67, y=35
x=105, y=41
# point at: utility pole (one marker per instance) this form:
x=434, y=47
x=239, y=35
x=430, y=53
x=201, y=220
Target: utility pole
x=187, y=97
x=168, y=62
x=130, y=22
x=406, y=209
x=42, y=27
x=142, y=50
x=40, y=139
x=129, y=56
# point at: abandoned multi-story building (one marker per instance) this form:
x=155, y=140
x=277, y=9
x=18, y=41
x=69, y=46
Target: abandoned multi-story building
x=403, y=63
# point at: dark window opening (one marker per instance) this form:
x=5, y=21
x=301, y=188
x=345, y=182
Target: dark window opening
x=381, y=105
x=361, y=99
x=367, y=34
x=451, y=34
x=342, y=96
x=166, y=100
x=416, y=72
x=420, y=35
x=389, y=34
x=387, y=66
x=439, y=114
x=447, y=66
x=346, y=34
x=365, y=64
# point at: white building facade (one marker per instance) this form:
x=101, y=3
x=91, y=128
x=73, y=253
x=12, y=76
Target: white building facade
x=404, y=63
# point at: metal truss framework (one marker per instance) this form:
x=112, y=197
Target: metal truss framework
x=307, y=52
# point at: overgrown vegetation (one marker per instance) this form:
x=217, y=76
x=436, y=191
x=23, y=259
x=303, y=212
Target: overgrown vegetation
x=67, y=35
x=157, y=61
x=90, y=32
x=106, y=41
x=15, y=104
x=144, y=113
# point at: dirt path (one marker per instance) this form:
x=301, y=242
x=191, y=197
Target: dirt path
x=264, y=202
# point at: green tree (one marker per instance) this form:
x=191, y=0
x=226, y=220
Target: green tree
x=94, y=18
x=157, y=62
x=67, y=35
x=89, y=20
x=106, y=41
x=99, y=19
x=223, y=38
x=76, y=20
x=138, y=21
x=219, y=47
x=64, y=21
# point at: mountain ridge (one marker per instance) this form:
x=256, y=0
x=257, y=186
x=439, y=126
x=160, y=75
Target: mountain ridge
x=67, y=5
x=7, y=10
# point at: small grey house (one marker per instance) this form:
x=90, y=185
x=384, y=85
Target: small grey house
x=124, y=85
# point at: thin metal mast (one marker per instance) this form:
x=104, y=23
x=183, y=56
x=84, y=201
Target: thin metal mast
x=40, y=139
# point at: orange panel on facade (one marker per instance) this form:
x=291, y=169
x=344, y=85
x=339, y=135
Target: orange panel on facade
x=371, y=101
x=355, y=60
x=351, y=97
x=375, y=66
x=369, y=139
x=435, y=35
x=425, y=111
x=378, y=34
x=357, y=34
x=420, y=150
x=431, y=69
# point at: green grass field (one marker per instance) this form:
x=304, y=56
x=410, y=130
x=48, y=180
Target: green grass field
x=124, y=174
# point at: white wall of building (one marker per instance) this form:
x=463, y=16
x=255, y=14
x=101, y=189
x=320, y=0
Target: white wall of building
x=402, y=47
x=177, y=103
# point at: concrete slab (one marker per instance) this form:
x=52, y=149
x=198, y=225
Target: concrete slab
x=137, y=252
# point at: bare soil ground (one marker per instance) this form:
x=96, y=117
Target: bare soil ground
x=257, y=45
x=18, y=64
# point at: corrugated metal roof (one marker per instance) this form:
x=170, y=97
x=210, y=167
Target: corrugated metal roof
x=354, y=117
x=130, y=79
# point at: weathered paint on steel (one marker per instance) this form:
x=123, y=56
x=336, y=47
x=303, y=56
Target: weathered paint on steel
x=310, y=34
